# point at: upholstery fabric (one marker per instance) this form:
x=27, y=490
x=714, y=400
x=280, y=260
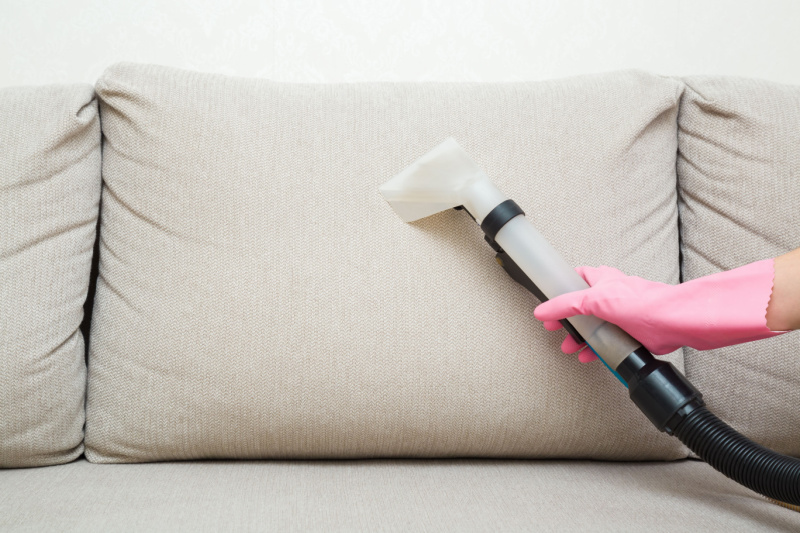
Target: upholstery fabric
x=49, y=196
x=387, y=495
x=739, y=174
x=257, y=298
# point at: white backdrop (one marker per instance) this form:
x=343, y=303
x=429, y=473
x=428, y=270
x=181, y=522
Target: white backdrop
x=49, y=41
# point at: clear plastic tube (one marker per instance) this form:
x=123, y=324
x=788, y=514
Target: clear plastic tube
x=554, y=276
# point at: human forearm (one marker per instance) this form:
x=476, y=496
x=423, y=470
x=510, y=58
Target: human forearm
x=783, y=312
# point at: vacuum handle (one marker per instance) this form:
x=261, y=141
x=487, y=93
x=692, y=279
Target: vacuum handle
x=553, y=276
x=516, y=273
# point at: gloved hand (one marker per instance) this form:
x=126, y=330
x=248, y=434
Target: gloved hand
x=710, y=312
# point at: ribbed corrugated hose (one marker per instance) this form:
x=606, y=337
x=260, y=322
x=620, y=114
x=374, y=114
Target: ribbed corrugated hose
x=771, y=474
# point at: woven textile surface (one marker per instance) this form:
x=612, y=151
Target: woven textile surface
x=49, y=196
x=385, y=495
x=257, y=298
x=739, y=174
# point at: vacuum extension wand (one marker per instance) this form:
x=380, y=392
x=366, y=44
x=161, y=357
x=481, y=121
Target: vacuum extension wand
x=446, y=178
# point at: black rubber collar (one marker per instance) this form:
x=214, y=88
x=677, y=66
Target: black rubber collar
x=499, y=217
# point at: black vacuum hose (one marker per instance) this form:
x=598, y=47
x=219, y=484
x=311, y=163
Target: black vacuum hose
x=676, y=407
x=758, y=468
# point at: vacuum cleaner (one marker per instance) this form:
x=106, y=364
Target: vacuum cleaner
x=446, y=178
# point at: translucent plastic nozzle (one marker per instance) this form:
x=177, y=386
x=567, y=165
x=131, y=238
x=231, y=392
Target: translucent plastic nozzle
x=443, y=178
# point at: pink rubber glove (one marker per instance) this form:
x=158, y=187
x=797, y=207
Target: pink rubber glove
x=711, y=312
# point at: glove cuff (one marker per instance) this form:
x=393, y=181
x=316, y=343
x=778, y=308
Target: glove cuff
x=736, y=304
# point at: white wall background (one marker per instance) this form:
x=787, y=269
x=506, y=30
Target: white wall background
x=50, y=41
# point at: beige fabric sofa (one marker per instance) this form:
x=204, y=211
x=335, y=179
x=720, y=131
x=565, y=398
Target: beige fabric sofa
x=277, y=351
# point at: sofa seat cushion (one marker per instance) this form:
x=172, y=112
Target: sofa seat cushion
x=384, y=495
x=739, y=177
x=259, y=299
x=49, y=200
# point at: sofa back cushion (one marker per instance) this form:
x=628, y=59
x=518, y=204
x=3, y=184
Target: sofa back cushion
x=49, y=195
x=739, y=174
x=258, y=298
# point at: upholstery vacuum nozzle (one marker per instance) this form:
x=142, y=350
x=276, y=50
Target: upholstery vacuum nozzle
x=446, y=178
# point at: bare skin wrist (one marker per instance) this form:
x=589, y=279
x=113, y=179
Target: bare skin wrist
x=783, y=312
